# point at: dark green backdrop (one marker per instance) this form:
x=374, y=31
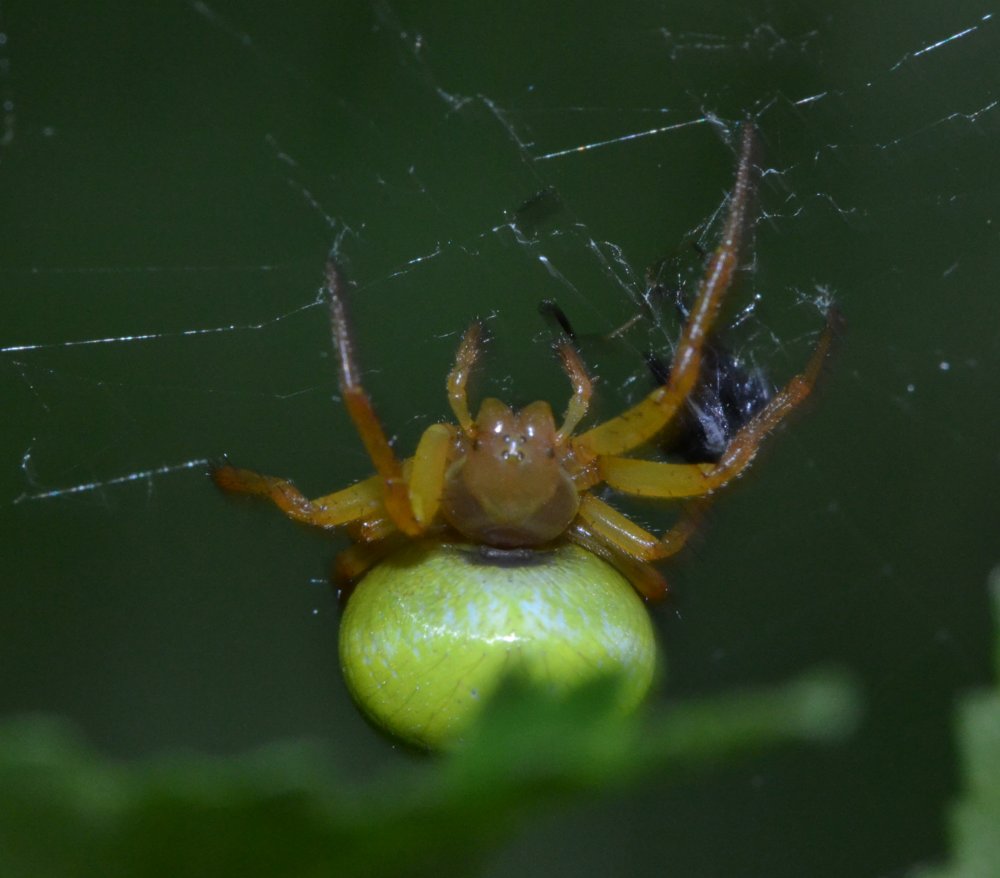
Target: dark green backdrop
x=171, y=178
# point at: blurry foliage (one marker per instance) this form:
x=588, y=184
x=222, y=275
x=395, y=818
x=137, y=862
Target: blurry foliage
x=282, y=811
x=975, y=818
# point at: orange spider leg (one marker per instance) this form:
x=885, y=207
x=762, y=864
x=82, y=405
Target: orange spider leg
x=644, y=420
x=362, y=413
x=353, y=562
x=358, y=502
x=745, y=443
x=371, y=530
x=650, y=478
x=424, y=474
x=458, y=378
x=579, y=402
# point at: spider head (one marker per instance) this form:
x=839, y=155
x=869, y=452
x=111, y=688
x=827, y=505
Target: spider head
x=507, y=486
x=514, y=441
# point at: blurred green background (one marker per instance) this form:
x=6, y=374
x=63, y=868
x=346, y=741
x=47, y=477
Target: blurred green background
x=172, y=176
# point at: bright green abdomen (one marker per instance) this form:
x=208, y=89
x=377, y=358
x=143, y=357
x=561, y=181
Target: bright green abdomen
x=429, y=633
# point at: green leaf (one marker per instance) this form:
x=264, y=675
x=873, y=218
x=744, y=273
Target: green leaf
x=64, y=811
x=975, y=819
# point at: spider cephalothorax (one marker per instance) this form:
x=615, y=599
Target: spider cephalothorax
x=522, y=452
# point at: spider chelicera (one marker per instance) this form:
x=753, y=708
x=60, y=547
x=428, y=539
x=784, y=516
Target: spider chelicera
x=514, y=481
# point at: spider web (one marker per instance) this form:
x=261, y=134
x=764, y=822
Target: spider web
x=172, y=181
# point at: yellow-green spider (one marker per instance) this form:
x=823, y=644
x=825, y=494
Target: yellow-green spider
x=509, y=495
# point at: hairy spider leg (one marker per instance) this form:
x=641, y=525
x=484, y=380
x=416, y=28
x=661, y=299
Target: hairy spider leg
x=651, y=478
x=359, y=407
x=579, y=402
x=358, y=502
x=644, y=420
x=458, y=377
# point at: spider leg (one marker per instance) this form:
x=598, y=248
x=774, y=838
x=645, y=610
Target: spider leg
x=371, y=530
x=458, y=378
x=572, y=365
x=645, y=419
x=427, y=471
x=656, y=478
x=607, y=524
x=645, y=578
x=359, y=502
x=576, y=409
x=351, y=564
x=424, y=474
x=650, y=478
x=359, y=407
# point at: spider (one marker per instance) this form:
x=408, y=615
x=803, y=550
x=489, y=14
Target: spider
x=514, y=481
